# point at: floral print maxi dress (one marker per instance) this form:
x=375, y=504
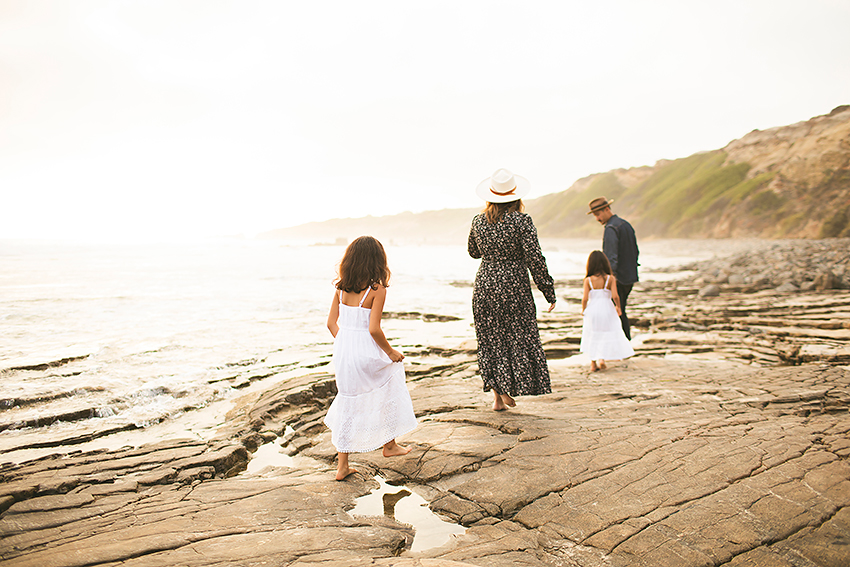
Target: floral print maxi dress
x=510, y=355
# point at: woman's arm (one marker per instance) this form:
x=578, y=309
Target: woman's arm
x=585, y=294
x=378, y=298
x=333, y=314
x=615, y=296
x=535, y=261
x=472, y=245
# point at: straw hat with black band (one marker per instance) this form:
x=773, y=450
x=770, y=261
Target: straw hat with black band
x=598, y=204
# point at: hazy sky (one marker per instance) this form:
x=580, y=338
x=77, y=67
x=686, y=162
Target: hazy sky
x=157, y=119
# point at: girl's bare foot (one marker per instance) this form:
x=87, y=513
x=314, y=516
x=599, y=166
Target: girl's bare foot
x=341, y=474
x=593, y=367
x=342, y=468
x=393, y=449
x=602, y=365
x=509, y=401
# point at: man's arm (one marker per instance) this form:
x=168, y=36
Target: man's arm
x=610, y=246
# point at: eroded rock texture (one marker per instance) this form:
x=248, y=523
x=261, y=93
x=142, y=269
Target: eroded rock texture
x=650, y=463
x=710, y=447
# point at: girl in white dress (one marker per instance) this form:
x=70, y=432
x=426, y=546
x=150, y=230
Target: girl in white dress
x=602, y=335
x=372, y=406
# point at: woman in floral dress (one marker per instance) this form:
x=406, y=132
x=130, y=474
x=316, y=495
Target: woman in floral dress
x=510, y=356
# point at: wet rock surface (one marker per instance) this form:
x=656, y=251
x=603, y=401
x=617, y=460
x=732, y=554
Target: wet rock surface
x=737, y=307
x=724, y=441
x=652, y=462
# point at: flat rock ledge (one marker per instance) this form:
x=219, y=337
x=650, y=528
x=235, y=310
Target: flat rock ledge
x=724, y=441
x=657, y=461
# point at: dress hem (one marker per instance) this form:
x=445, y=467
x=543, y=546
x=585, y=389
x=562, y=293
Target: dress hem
x=487, y=388
x=348, y=451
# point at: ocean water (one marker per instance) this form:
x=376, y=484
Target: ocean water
x=100, y=340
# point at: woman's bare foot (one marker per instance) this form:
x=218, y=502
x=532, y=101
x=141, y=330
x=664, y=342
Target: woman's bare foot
x=341, y=473
x=509, y=401
x=393, y=449
x=498, y=402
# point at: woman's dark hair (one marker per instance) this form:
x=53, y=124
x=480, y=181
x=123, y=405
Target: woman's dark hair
x=597, y=263
x=363, y=265
x=495, y=211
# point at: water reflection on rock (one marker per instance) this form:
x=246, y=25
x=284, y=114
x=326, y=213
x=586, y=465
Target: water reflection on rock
x=407, y=507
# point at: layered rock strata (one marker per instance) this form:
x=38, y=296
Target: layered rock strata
x=724, y=441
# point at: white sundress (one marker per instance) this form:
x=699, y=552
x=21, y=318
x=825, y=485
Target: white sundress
x=372, y=405
x=602, y=336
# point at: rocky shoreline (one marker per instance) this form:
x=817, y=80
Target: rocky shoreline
x=724, y=441
x=784, y=303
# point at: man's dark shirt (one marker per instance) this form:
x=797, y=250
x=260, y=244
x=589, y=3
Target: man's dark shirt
x=620, y=246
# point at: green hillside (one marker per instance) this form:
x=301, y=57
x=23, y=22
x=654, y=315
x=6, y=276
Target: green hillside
x=682, y=198
x=692, y=197
x=565, y=215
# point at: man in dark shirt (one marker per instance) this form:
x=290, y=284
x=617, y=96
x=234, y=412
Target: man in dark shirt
x=620, y=246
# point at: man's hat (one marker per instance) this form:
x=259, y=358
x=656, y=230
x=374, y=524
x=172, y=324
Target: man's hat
x=598, y=204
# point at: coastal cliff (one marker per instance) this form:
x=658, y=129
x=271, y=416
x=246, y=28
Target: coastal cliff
x=785, y=182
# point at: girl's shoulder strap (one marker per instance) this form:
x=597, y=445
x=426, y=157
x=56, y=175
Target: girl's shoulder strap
x=590, y=281
x=362, y=299
x=608, y=277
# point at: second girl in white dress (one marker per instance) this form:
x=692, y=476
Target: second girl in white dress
x=602, y=336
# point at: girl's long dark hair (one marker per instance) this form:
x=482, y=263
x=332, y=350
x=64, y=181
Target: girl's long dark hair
x=363, y=265
x=495, y=211
x=597, y=263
